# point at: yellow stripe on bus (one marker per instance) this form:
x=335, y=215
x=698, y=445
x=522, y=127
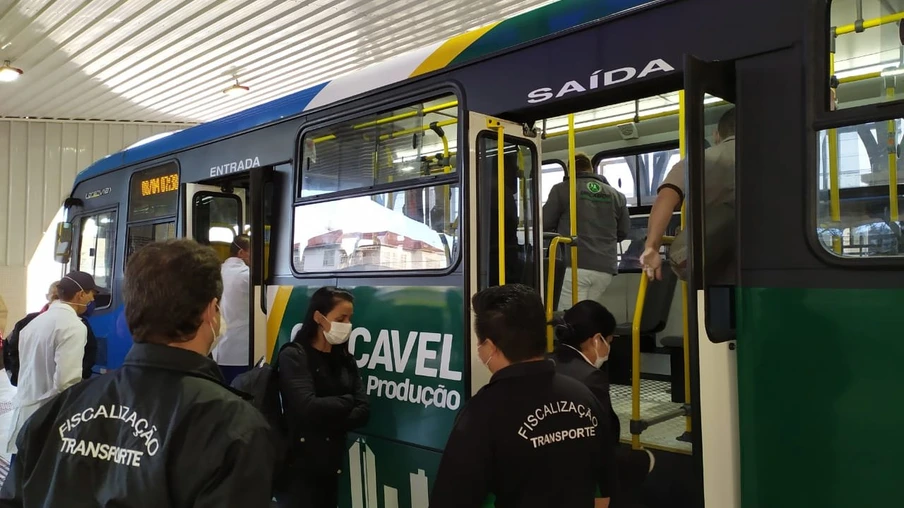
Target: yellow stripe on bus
x=449, y=50
x=274, y=320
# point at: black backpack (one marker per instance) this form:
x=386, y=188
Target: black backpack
x=261, y=383
x=11, y=349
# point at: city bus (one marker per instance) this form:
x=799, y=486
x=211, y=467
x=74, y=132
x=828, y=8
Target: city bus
x=418, y=181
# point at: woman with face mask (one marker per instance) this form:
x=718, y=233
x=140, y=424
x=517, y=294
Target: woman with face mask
x=323, y=397
x=585, y=333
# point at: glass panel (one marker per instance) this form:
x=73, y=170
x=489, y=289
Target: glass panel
x=407, y=143
x=619, y=173
x=552, y=172
x=719, y=193
x=143, y=234
x=859, y=207
x=96, y=249
x=868, y=64
x=519, y=208
x=415, y=229
x=217, y=219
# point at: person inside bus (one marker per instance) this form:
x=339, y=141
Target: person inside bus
x=530, y=437
x=323, y=397
x=585, y=333
x=163, y=430
x=720, y=194
x=232, y=353
x=603, y=222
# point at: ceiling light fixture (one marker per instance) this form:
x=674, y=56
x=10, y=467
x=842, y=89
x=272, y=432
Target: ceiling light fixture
x=236, y=89
x=9, y=73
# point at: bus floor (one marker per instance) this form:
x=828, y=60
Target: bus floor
x=654, y=400
x=671, y=484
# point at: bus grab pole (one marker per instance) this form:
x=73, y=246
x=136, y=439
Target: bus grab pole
x=500, y=184
x=685, y=339
x=892, y=156
x=834, y=193
x=573, y=210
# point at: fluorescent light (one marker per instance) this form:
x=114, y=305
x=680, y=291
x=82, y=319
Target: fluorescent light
x=892, y=71
x=9, y=73
x=236, y=89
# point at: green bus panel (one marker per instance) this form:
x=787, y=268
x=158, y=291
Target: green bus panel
x=410, y=345
x=821, y=395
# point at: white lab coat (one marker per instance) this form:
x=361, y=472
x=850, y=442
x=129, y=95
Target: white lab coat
x=51, y=349
x=232, y=350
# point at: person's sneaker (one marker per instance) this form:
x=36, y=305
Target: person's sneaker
x=652, y=460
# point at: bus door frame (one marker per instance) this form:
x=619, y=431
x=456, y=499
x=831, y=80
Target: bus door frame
x=713, y=373
x=506, y=131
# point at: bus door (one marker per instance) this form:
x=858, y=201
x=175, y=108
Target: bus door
x=713, y=272
x=214, y=216
x=504, y=239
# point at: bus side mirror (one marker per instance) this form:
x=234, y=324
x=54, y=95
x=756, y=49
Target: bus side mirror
x=63, y=244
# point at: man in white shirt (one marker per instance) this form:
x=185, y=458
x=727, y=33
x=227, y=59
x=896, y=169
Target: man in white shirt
x=51, y=350
x=231, y=354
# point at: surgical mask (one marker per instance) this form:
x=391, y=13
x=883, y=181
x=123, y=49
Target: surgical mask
x=600, y=359
x=217, y=335
x=89, y=309
x=486, y=363
x=338, y=333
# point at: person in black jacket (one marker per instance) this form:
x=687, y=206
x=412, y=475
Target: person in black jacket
x=324, y=398
x=585, y=333
x=531, y=437
x=163, y=430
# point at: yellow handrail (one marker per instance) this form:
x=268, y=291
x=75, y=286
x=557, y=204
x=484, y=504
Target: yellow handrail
x=869, y=23
x=834, y=193
x=500, y=183
x=573, y=210
x=685, y=338
x=635, y=358
x=892, y=156
x=550, y=285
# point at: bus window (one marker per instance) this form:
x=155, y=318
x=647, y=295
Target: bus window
x=143, y=234
x=859, y=206
x=407, y=143
x=404, y=230
x=520, y=231
x=551, y=173
x=217, y=219
x=96, y=248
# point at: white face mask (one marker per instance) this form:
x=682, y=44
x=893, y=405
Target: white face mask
x=217, y=336
x=338, y=333
x=486, y=363
x=600, y=359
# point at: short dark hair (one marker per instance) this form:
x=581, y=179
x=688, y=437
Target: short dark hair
x=582, y=163
x=582, y=321
x=240, y=242
x=166, y=289
x=66, y=293
x=513, y=317
x=727, y=123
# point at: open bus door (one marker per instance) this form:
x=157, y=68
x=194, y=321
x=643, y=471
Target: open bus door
x=710, y=89
x=214, y=216
x=504, y=196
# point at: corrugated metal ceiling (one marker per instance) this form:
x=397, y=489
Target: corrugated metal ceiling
x=170, y=60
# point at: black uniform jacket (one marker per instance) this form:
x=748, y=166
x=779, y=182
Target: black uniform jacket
x=161, y=431
x=532, y=438
x=570, y=363
x=324, y=398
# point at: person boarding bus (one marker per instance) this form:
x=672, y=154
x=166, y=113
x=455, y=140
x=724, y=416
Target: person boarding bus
x=530, y=437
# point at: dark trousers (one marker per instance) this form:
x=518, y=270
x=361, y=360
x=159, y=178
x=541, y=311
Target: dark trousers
x=310, y=490
x=633, y=467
